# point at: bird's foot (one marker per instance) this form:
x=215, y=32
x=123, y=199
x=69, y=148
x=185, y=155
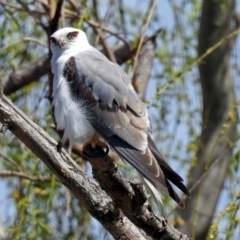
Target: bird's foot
x=96, y=147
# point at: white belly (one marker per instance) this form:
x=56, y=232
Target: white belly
x=71, y=116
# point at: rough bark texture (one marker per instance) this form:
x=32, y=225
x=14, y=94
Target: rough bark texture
x=219, y=118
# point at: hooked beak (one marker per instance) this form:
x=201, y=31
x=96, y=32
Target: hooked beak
x=59, y=42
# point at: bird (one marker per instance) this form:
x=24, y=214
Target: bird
x=93, y=97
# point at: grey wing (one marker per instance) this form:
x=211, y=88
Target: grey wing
x=119, y=110
x=119, y=116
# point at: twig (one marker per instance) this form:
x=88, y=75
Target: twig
x=150, y=13
x=209, y=170
x=26, y=39
x=200, y=59
x=75, y=5
x=6, y=173
x=95, y=7
x=32, y=14
x=204, y=175
x=1, y=88
x=9, y=160
x=11, y=5
x=108, y=51
x=105, y=29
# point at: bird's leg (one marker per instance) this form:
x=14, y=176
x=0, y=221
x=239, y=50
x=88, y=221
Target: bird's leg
x=94, y=141
x=97, y=146
x=59, y=146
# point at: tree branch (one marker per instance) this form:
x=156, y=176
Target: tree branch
x=149, y=15
x=6, y=173
x=25, y=76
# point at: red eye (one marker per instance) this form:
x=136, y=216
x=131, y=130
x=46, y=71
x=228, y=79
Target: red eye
x=72, y=35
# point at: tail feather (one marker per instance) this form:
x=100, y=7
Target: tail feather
x=151, y=189
x=150, y=164
x=170, y=174
x=146, y=164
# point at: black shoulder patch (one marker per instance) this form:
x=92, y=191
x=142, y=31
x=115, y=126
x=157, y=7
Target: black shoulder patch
x=77, y=86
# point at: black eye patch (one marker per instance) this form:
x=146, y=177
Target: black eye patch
x=53, y=40
x=72, y=35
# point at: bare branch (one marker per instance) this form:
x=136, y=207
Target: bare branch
x=108, y=51
x=5, y=4
x=9, y=160
x=6, y=173
x=26, y=39
x=23, y=77
x=76, y=5
x=51, y=8
x=219, y=116
x=55, y=18
x=105, y=29
x=145, y=26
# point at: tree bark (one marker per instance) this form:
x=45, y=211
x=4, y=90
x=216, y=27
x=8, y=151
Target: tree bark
x=219, y=118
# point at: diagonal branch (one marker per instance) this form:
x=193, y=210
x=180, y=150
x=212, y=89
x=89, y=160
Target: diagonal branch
x=25, y=76
x=6, y=173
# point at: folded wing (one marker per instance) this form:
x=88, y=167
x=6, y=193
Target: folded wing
x=120, y=117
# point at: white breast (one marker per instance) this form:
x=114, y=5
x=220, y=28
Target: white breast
x=70, y=115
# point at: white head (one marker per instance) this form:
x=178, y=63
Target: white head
x=67, y=38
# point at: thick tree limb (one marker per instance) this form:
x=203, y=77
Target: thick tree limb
x=95, y=200
x=219, y=117
x=22, y=77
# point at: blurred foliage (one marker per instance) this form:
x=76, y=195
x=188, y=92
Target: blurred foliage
x=45, y=209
